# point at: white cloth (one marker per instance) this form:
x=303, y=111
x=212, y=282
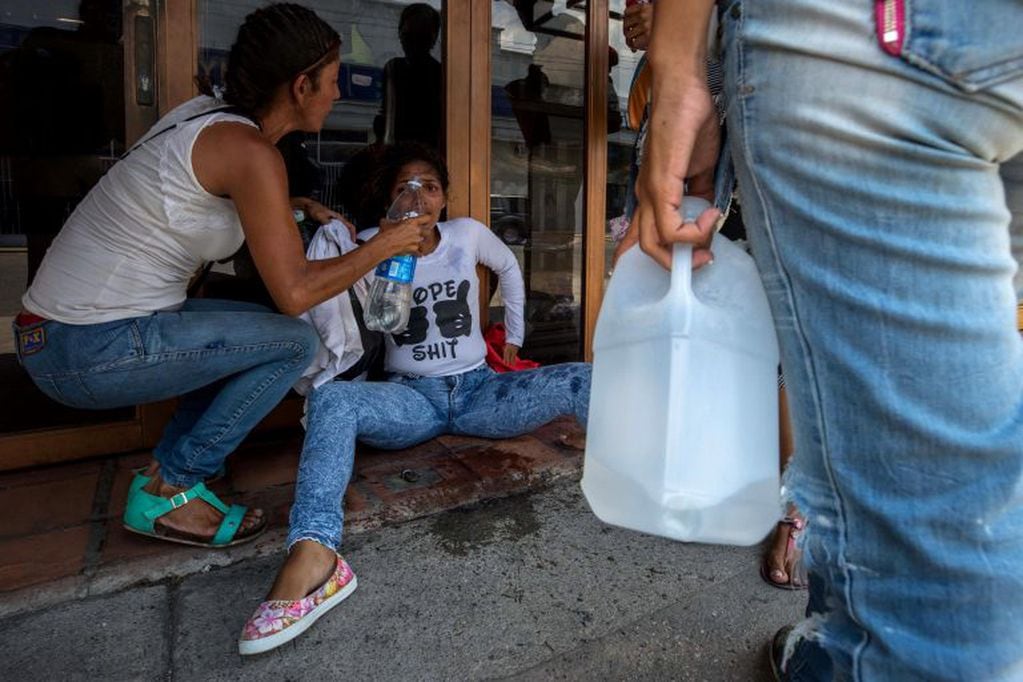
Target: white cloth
x=334, y=320
x=132, y=245
x=444, y=335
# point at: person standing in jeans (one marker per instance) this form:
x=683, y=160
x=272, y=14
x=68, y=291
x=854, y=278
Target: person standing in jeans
x=867, y=139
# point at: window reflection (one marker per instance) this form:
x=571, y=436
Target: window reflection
x=62, y=125
x=620, y=143
x=385, y=63
x=538, y=93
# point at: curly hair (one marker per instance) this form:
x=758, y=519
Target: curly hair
x=395, y=157
x=275, y=45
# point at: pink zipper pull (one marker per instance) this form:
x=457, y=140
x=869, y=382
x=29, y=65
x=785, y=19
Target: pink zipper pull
x=891, y=25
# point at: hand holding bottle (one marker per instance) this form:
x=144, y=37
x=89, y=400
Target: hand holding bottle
x=401, y=237
x=390, y=297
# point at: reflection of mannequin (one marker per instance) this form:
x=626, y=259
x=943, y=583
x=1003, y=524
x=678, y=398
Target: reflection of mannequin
x=413, y=84
x=525, y=95
x=61, y=107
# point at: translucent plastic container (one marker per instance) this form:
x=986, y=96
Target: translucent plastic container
x=682, y=439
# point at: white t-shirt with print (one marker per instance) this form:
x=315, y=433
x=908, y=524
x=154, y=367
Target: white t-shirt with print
x=443, y=336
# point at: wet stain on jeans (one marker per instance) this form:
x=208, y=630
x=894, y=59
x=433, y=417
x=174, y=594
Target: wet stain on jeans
x=575, y=385
x=460, y=532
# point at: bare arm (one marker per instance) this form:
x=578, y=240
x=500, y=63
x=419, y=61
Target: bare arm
x=683, y=139
x=235, y=161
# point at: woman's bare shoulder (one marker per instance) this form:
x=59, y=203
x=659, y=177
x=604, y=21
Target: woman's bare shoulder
x=227, y=152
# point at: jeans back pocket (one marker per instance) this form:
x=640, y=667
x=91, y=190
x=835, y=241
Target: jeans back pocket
x=971, y=45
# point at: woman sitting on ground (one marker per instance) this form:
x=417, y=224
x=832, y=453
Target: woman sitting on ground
x=438, y=382
x=107, y=321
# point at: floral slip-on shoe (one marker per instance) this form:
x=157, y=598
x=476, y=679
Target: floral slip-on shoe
x=277, y=622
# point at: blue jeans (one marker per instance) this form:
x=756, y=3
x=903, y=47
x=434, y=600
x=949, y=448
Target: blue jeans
x=877, y=216
x=405, y=411
x=230, y=363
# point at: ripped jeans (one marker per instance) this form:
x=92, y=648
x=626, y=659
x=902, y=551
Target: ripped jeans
x=405, y=411
x=876, y=212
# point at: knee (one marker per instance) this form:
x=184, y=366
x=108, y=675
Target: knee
x=304, y=338
x=579, y=379
x=333, y=402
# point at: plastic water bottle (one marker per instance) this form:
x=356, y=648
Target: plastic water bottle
x=683, y=427
x=390, y=298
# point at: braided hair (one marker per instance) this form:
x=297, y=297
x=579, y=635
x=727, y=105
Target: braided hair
x=275, y=45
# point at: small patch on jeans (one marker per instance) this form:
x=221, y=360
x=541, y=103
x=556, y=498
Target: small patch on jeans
x=31, y=340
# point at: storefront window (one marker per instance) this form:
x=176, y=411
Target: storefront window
x=537, y=163
x=620, y=143
x=62, y=125
x=391, y=89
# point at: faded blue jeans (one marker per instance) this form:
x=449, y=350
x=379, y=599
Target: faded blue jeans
x=228, y=362
x=876, y=213
x=405, y=411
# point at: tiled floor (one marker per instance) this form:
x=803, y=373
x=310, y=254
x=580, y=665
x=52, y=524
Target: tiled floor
x=64, y=521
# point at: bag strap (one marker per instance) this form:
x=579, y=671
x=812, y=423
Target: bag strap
x=230, y=109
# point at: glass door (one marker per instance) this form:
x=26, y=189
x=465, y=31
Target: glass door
x=537, y=163
x=77, y=83
x=391, y=83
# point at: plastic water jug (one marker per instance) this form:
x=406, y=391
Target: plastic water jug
x=682, y=439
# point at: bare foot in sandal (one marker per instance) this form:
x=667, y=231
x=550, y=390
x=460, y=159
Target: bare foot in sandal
x=781, y=565
x=196, y=521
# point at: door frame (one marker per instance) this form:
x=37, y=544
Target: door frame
x=467, y=35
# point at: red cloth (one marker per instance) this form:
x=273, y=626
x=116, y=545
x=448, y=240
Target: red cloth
x=27, y=319
x=494, y=338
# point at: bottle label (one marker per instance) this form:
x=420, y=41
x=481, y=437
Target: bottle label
x=398, y=269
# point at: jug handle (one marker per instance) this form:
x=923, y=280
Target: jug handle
x=682, y=279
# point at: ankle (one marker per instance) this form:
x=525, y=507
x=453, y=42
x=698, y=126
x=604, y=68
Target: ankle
x=159, y=487
x=310, y=555
x=308, y=565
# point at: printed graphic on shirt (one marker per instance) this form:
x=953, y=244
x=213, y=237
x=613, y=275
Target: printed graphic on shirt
x=452, y=316
x=417, y=328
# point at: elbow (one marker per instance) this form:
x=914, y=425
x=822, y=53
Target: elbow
x=291, y=303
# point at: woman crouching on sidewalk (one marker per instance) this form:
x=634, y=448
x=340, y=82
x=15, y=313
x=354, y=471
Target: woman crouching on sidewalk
x=108, y=322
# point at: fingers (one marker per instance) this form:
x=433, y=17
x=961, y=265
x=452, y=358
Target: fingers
x=699, y=233
x=659, y=228
x=649, y=238
x=349, y=225
x=511, y=354
x=637, y=25
x=405, y=236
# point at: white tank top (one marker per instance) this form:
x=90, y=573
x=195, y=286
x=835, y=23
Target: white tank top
x=134, y=242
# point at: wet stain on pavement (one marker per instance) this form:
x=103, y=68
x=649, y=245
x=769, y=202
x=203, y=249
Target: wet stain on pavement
x=462, y=531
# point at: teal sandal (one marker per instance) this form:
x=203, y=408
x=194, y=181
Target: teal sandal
x=143, y=509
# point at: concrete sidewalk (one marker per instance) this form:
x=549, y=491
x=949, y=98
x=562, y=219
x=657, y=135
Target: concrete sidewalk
x=531, y=586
